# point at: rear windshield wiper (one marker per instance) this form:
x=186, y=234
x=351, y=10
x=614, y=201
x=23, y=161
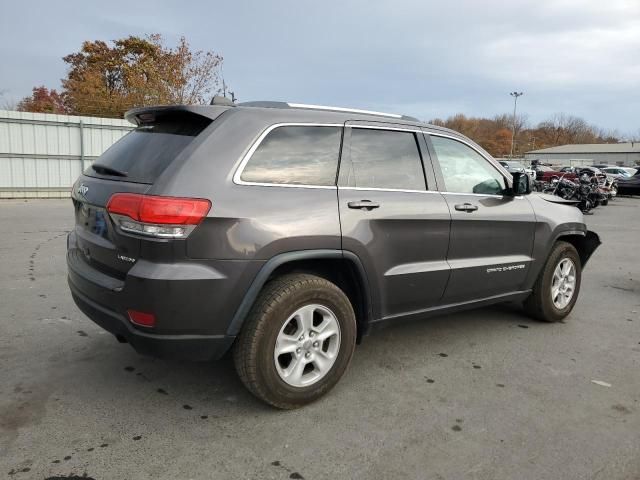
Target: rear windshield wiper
x=105, y=170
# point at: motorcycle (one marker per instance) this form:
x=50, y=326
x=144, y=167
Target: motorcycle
x=602, y=186
x=612, y=184
x=585, y=191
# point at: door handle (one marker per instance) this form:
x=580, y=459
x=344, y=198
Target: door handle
x=363, y=205
x=466, y=207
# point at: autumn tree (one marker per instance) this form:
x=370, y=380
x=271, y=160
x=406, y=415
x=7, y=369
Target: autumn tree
x=43, y=100
x=108, y=79
x=494, y=134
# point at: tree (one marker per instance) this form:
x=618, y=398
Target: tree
x=634, y=137
x=43, y=100
x=6, y=103
x=494, y=135
x=108, y=80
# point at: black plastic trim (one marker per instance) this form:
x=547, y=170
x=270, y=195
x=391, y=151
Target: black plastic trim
x=188, y=347
x=283, y=258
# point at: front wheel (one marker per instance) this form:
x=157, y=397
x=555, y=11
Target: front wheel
x=556, y=289
x=297, y=341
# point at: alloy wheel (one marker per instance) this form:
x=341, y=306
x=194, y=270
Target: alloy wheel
x=563, y=284
x=307, y=345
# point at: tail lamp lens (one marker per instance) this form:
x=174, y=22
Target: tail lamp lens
x=144, y=319
x=159, y=210
x=155, y=216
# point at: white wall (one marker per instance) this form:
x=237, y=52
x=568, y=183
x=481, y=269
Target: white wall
x=624, y=159
x=41, y=154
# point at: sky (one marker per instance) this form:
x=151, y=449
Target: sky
x=420, y=58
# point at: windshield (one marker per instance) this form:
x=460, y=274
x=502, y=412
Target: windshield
x=143, y=154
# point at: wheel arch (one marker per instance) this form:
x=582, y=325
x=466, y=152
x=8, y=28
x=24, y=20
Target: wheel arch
x=340, y=267
x=584, y=242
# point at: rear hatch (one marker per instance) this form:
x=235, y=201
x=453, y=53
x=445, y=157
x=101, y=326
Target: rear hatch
x=131, y=165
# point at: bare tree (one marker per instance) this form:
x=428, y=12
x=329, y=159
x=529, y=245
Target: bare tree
x=633, y=137
x=506, y=121
x=563, y=129
x=7, y=103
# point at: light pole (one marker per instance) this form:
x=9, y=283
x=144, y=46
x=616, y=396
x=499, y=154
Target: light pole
x=515, y=96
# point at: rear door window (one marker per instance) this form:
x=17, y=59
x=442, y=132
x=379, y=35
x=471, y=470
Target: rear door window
x=144, y=153
x=296, y=155
x=385, y=159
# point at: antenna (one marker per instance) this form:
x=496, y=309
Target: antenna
x=224, y=85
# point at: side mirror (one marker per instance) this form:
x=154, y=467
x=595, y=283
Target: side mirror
x=521, y=183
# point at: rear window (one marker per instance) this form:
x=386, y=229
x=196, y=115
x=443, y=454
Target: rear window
x=144, y=153
x=296, y=155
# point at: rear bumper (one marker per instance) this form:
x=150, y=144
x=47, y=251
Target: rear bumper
x=186, y=347
x=193, y=302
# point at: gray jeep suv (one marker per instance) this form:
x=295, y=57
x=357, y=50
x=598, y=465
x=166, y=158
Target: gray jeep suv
x=287, y=232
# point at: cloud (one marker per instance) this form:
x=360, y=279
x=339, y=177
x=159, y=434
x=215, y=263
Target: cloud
x=587, y=57
x=427, y=59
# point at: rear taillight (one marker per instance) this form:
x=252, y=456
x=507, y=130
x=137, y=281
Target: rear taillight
x=154, y=216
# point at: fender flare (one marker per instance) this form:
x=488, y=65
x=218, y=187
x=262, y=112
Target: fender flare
x=268, y=268
x=589, y=242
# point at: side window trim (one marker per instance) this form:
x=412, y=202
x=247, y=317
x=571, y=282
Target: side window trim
x=345, y=157
x=438, y=170
x=247, y=156
x=428, y=160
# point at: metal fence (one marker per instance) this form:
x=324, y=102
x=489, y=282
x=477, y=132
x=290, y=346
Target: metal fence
x=42, y=154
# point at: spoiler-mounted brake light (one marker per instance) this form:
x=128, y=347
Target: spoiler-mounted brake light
x=156, y=216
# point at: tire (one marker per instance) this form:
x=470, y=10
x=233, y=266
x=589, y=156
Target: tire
x=605, y=202
x=540, y=304
x=271, y=323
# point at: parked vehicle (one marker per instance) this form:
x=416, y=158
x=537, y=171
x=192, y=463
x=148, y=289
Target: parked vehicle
x=631, y=185
x=584, y=190
x=287, y=233
x=543, y=172
x=607, y=184
x=617, y=172
x=513, y=166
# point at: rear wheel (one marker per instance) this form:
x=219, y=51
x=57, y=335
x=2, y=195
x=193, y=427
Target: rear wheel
x=556, y=289
x=297, y=341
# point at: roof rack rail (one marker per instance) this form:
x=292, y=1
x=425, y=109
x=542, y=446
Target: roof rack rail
x=342, y=109
x=268, y=104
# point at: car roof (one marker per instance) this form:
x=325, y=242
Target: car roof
x=285, y=112
x=343, y=114
x=331, y=113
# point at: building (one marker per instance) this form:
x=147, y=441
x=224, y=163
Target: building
x=620, y=154
x=42, y=154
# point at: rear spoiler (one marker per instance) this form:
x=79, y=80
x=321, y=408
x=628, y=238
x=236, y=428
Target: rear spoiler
x=141, y=115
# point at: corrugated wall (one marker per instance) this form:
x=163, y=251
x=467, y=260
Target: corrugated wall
x=585, y=159
x=41, y=155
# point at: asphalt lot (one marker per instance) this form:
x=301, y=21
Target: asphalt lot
x=486, y=394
